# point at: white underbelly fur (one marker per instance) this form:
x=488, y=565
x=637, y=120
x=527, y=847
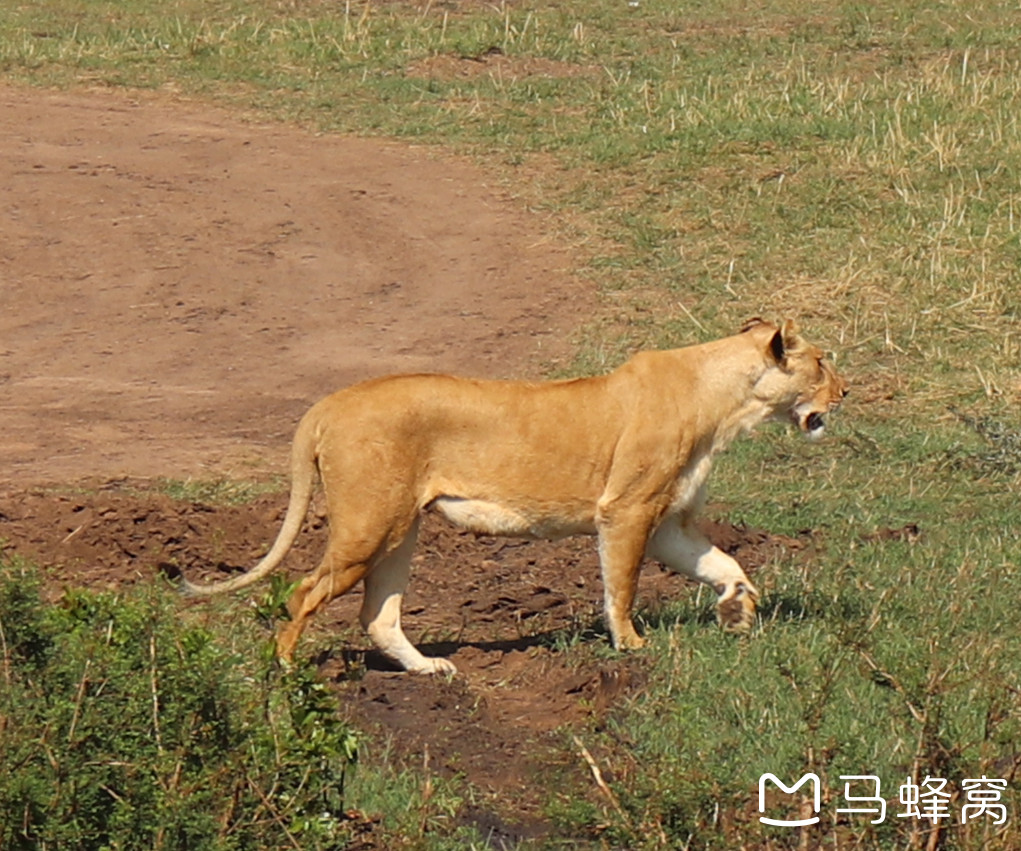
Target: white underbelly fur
x=490, y=518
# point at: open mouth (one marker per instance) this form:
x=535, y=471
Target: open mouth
x=812, y=424
x=815, y=424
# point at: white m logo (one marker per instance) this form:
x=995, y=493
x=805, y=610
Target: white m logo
x=790, y=790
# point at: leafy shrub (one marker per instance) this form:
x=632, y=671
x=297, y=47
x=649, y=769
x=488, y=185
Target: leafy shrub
x=125, y=724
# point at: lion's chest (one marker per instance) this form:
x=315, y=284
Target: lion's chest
x=690, y=484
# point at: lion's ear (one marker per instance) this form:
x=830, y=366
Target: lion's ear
x=783, y=342
x=778, y=349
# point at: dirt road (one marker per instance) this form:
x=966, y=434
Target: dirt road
x=178, y=285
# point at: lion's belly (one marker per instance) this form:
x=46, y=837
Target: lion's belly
x=490, y=518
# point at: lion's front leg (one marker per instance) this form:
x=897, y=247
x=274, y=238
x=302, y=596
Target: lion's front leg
x=684, y=549
x=621, y=549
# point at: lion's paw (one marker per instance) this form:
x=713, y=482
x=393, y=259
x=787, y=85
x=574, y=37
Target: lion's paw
x=435, y=666
x=736, y=608
x=625, y=638
x=631, y=642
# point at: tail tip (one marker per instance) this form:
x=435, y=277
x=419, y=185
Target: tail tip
x=175, y=578
x=188, y=590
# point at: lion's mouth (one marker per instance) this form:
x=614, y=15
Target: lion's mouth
x=812, y=424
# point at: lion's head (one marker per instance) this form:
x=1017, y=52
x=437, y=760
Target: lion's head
x=803, y=387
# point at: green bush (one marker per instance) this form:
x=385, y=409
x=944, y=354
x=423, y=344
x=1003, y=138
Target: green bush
x=125, y=724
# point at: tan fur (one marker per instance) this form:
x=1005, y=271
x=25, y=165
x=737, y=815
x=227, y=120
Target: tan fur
x=622, y=456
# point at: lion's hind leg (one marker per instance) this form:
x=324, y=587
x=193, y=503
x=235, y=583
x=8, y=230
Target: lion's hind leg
x=352, y=551
x=330, y=580
x=385, y=584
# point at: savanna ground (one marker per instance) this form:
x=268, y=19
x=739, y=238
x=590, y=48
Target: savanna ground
x=215, y=213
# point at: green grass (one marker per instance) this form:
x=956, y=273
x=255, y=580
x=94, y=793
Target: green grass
x=124, y=724
x=853, y=165
x=883, y=656
x=127, y=723
x=218, y=491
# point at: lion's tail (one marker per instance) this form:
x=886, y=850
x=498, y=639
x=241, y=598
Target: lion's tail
x=304, y=471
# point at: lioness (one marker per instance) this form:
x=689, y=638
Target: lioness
x=623, y=456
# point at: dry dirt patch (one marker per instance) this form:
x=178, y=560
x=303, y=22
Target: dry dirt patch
x=179, y=285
